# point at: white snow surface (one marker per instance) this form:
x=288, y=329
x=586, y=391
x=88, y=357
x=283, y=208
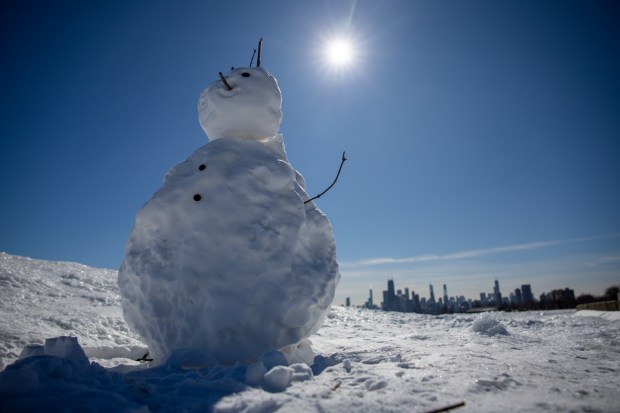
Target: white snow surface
x=251, y=110
x=226, y=258
x=367, y=361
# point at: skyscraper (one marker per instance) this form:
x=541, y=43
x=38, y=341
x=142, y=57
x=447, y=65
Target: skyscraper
x=391, y=288
x=445, y=294
x=519, y=297
x=526, y=294
x=431, y=300
x=497, y=295
x=389, y=297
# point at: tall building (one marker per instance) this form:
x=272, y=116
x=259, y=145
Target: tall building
x=391, y=292
x=519, y=299
x=348, y=302
x=445, y=294
x=431, y=300
x=389, y=298
x=497, y=295
x=526, y=294
x=370, y=303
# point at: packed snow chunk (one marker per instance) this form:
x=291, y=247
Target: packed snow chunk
x=278, y=379
x=488, y=326
x=299, y=353
x=252, y=109
x=346, y=363
x=226, y=258
x=301, y=372
x=65, y=347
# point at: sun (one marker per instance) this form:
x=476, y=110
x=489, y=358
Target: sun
x=339, y=53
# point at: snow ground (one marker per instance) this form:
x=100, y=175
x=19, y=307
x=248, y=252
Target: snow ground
x=368, y=361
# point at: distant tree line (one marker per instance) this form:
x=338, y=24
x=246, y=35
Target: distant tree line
x=563, y=299
x=611, y=294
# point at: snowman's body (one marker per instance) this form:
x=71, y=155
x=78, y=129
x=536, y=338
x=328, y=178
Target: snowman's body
x=226, y=257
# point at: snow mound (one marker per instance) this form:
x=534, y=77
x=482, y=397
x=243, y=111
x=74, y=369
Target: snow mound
x=607, y=315
x=227, y=259
x=41, y=299
x=488, y=326
x=251, y=110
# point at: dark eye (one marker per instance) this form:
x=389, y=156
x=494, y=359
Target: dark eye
x=202, y=167
x=245, y=74
x=197, y=197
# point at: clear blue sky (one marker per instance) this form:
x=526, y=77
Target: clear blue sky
x=483, y=136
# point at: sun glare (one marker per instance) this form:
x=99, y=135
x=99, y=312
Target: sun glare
x=339, y=53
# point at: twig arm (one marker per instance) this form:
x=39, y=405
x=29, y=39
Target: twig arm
x=344, y=158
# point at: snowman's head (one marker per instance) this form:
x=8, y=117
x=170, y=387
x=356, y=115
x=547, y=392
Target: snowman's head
x=252, y=109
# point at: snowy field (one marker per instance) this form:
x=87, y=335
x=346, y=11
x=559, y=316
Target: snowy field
x=367, y=361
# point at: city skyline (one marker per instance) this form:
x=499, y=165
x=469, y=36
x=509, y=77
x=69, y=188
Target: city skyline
x=548, y=264
x=423, y=290
x=522, y=298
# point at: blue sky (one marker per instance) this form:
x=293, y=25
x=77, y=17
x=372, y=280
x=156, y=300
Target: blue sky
x=482, y=136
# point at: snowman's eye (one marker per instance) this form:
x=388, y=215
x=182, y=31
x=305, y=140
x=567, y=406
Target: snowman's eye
x=197, y=197
x=245, y=74
x=202, y=167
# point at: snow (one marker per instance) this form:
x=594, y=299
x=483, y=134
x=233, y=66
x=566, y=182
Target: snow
x=366, y=361
x=226, y=258
x=251, y=110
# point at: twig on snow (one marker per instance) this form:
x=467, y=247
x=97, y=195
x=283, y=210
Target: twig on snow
x=344, y=158
x=445, y=409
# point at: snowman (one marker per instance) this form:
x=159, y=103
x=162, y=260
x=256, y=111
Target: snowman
x=228, y=257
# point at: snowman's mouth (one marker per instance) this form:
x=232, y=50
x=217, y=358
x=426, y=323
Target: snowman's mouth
x=225, y=81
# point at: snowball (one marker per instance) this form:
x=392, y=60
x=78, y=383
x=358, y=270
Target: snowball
x=226, y=258
x=488, y=326
x=251, y=110
x=278, y=379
